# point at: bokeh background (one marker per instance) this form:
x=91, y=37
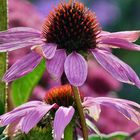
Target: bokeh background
x=113, y=15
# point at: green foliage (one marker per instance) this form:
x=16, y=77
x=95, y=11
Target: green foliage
x=22, y=88
x=36, y=134
x=3, y=26
x=113, y=136
x=68, y=133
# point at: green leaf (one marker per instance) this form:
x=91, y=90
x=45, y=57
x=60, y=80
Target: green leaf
x=112, y=136
x=68, y=133
x=22, y=88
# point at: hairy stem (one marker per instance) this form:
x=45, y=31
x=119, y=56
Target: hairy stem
x=3, y=57
x=80, y=111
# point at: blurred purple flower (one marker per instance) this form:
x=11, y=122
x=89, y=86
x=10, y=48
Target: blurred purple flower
x=45, y=6
x=70, y=56
x=114, y=122
x=99, y=81
x=38, y=93
x=18, y=17
x=61, y=98
x=106, y=11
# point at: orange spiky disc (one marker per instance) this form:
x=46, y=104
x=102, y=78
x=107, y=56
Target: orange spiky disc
x=62, y=96
x=72, y=27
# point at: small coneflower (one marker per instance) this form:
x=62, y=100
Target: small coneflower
x=68, y=35
x=59, y=104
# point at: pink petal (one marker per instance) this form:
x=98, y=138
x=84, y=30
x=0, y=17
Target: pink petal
x=117, y=68
x=9, y=118
x=18, y=112
x=119, y=43
x=22, y=67
x=62, y=118
x=12, y=128
x=27, y=105
x=20, y=37
x=49, y=50
x=34, y=116
x=18, y=33
x=55, y=66
x=76, y=69
x=14, y=45
x=130, y=36
x=127, y=108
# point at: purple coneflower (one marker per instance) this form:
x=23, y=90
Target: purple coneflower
x=59, y=102
x=69, y=34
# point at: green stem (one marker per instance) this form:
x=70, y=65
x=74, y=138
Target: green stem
x=80, y=111
x=3, y=56
x=68, y=133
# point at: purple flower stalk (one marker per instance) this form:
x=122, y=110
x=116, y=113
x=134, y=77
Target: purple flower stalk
x=28, y=115
x=69, y=34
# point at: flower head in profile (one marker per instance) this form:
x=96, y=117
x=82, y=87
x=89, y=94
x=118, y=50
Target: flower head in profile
x=69, y=34
x=60, y=106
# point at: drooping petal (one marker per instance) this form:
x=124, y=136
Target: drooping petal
x=130, y=36
x=19, y=44
x=128, y=108
x=9, y=117
x=76, y=69
x=22, y=67
x=62, y=118
x=117, y=68
x=55, y=66
x=34, y=116
x=18, y=112
x=15, y=34
x=119, y=43
x=49, y=50
x=19, y=37
x=27, y=105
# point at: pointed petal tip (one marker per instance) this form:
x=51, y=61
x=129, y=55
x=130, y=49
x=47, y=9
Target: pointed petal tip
x=4, y=79
x=117, y=68
x=22, y=67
